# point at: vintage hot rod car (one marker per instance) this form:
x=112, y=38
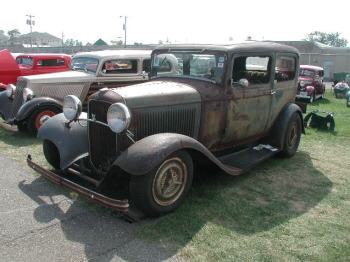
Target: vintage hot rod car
x=226, y=106
x=35, y=98
x=311, y=85
x=12, y=66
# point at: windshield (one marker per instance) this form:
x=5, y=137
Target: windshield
x=305, y=72
x=204, y=65
x=84, y=63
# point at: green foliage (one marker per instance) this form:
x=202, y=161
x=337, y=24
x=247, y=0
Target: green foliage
x=331, y=39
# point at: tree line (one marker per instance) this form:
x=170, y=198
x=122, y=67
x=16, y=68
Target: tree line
x=331, y=39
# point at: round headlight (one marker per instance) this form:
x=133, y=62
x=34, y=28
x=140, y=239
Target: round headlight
x=118, y=117
x=72, y=107
x=28, y=94
x=10, y=90
x=302, y=83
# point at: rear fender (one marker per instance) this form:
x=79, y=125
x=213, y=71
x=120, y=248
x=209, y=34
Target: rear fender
x=279, y=128
x=147, y=153
x=71, y=141
x=33, y=104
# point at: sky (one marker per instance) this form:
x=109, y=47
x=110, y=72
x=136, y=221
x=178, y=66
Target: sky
x=180, y=21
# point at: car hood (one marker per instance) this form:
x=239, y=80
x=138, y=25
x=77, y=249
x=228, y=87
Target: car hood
x=8, y=63
x=158, y=93
x=60, y=77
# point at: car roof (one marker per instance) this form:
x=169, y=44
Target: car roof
x=241, y=47
x=43, y=55
x=311, y=67
x=116, y=53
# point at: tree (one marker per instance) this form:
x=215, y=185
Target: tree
x=332, y=39
x=2, y=32
x=13, y=34
x=71, y=42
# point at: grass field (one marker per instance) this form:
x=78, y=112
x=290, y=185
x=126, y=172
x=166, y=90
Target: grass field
x=293, y=209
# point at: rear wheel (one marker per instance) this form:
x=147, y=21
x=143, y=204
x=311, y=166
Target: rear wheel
x=292, y=136
x=51, y=154
x=39, y=115
x=164, y=188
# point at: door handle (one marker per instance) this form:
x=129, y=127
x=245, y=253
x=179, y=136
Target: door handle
x=273, y=92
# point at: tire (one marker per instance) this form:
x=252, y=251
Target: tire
x=22, y=127
x=34, y=120
x=163, y=189
x=292, y=136
x=51, y=154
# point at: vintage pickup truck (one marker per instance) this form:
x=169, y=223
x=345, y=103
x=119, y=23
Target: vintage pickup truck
x=136, y=146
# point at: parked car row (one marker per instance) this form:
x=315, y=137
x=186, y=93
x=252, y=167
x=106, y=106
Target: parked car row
x=14, y=65
x=35, y=98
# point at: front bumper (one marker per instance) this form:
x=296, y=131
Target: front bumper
x=117, y=205
x=9, y=126
x=303, y=95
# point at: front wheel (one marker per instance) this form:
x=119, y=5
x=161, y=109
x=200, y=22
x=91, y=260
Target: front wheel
x=39, y=115
x=292, y=136
x=164, y=188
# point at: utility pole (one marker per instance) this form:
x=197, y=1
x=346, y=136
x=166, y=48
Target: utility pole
x=124, y=28
x=31, y=23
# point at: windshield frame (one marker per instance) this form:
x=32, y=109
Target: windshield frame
x=208, y=65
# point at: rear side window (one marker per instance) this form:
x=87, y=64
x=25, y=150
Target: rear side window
x=50, y=62
x=256, y=69
x=120, y=66
x=25, y=61
x=285, y=68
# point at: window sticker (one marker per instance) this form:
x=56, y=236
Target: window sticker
x=220, y=65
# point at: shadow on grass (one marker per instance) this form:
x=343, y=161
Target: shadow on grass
x=268, y=196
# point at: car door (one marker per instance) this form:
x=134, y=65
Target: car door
x=285, y=83
x=248, y=107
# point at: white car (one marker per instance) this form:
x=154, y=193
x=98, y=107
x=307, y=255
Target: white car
x=34, y=99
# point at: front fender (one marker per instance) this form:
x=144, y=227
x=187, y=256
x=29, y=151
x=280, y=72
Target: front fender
x=71, y=142
x=5, y=105
x=147, y=153
x=31, y=105
x=310, y=90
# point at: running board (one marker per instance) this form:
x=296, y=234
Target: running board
x=248, y=158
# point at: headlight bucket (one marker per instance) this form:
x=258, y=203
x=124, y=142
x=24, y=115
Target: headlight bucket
x=302, y=83
x=28, y=94
x=72, y=107
x=10, y=90
x=118, y=118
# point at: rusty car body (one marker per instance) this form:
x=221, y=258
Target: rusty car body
x=227, y=106
x=311, y=85
x=36, y=98
x=14, y=65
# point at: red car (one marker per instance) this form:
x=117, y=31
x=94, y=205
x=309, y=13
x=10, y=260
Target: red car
x=311, y=85
x=11, y=67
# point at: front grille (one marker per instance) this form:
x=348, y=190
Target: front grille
x=180, y=119
x=18, y=99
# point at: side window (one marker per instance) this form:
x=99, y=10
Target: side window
x=50, y=62
x=285, y=68
x=253, y=68
x=120, y=66
x=146, y=65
